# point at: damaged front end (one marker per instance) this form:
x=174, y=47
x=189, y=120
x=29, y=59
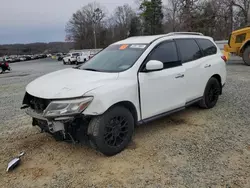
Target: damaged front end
x=61, y=118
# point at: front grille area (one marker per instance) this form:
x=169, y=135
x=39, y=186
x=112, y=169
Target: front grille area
x=37, y=104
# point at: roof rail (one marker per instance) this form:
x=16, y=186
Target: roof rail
x=184, y=33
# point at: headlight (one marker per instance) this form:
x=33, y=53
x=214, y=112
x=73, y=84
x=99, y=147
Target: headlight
x=67, y=107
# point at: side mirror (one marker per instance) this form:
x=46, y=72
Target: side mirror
x=154, y=65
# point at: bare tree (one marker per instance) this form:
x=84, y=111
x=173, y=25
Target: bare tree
x=85, y=25
x=244, y=6
x=171, y=13
x=122, y=17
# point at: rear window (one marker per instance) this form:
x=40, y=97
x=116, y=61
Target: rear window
x=207, y=47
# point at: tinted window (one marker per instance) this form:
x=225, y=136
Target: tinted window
x=207, y=46
x=166, y=53
x=75, y=54
x=189, y=49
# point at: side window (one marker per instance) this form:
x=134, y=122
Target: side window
x=207, y=46
x=166, y=53
x=189, y=50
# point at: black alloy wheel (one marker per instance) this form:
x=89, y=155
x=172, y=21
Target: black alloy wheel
x=116, y=131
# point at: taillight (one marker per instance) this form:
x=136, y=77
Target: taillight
x=224, y=58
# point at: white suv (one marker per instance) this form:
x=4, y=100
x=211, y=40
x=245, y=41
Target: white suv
x=70, y=58
x=83, y=57
x=131, y=82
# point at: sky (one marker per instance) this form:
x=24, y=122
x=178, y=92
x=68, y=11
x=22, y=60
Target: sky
x=27, y=21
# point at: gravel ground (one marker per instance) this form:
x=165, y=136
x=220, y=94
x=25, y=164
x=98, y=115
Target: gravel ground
x=193, y=148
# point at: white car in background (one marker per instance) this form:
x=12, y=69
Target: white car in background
x=71, y=58
x=131, y=82
x=83, y=57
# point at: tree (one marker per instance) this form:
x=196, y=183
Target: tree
x=244, y=6
x=152, y=16
x=122, y=17
x=85, y=25
x=171, y=13
x=188, y=11
x=134, y=26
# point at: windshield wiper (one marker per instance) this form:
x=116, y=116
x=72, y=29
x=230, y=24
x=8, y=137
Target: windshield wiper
x=89, y=69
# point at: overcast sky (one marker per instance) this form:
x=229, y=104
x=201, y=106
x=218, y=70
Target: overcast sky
x=25, y=21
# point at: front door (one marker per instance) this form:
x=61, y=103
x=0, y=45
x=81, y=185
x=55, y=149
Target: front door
x=164, y=90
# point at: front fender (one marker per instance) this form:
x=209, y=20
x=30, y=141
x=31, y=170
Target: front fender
x=110, y=94
x=243, y=45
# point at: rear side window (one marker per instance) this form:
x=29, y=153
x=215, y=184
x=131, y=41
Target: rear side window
x=207, y=47
x=189, y=50
x=166, y=52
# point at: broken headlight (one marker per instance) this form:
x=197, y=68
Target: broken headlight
x=67, y=107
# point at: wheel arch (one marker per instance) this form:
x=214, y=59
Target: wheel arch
x=244, y=46
x=218, y=77
x=130, y=106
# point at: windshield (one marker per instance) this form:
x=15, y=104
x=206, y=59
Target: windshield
x=75, y=54
x=115, y=58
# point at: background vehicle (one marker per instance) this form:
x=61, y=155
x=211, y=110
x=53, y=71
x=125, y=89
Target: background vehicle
x=70, y=58
x=23, y=58
x=239, y=44
x=83, y=57
x=61, y=56
x=8, y=59
x=4, y=66
x=131, y=82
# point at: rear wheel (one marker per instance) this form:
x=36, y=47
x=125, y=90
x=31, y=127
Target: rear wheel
x=111, y=132
x=246, y=56
x=211, y=94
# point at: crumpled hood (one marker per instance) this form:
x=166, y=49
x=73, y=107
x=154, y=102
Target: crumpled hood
x=68, y=83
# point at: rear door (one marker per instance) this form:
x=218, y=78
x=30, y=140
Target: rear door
x=191, y=56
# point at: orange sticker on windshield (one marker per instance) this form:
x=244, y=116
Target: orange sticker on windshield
x=123, y=47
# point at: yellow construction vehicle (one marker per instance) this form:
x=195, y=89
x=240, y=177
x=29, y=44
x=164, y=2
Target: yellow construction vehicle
x=239, y=44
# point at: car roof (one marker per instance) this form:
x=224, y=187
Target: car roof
x=152, y=38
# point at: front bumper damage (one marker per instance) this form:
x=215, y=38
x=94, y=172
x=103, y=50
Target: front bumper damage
x=70, y=128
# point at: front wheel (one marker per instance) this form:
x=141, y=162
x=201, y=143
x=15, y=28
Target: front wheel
x=211, y=94
x=246, y=56
x=111, y=132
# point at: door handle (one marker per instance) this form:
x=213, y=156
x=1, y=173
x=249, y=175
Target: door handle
x=207, y=66
x=180, y=76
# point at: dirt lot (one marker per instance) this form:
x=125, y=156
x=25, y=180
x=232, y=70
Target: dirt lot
x=193, y=148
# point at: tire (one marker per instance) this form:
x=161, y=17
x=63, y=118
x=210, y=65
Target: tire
x=69, y=61
x=1, y=70
x=246, y=56
x=64, y=62
x=211, y=94
x=111, y=132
